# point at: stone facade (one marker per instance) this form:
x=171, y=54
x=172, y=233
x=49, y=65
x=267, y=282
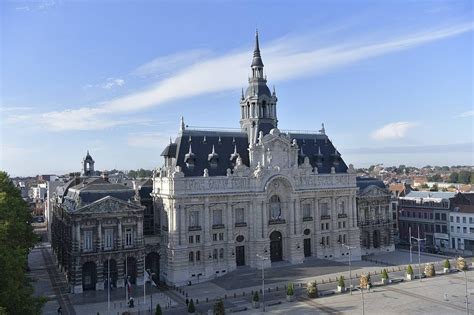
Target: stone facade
x=97, y=226
x=226, y=197
x=375, y=217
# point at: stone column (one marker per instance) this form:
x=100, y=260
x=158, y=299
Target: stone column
x=119, y=240
x=99, y=232
x=298, y=216
x=99, y=285
x=140, y=268
x=78, y=236
x=120, y=271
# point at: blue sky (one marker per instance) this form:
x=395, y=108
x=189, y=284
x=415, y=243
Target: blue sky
x=391, y=80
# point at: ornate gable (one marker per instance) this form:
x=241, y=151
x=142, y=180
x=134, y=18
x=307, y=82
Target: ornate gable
x=279, y=151
x=108, y=205
x=374, y=191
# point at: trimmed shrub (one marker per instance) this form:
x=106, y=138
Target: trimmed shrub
x=312, y=289
x=290, y=289
x=461, y=263
x=191, y=308
x=158, y=310
x=410, y=270
x=447, y=264
x=429, y=270
x=341, y=282
x=219, y=308
x=384, y=274
x=255, y=297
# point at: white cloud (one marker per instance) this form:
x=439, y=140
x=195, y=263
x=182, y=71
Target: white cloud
x=111, y=82
x=283, y=59
x=171, y=63
x=469, y=113
x=396, y=130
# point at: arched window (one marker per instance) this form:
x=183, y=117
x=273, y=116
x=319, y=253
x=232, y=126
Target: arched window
x=198, y=256
x=191, y=256
x=275, y=208
x=214, y=253
x=221, y=253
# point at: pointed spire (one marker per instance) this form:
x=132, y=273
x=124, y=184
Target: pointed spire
x=190, y=149
x=319, y=150
x=274, y=93
x=171, y=141
x=213, y=150
x=257, y=58
x=182, y=126
x=242, y=95
x=235, y=148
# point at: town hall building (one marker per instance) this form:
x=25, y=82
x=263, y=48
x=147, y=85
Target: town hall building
x=254, y=196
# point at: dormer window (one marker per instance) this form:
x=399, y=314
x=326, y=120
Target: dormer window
x=190, y=158
x=336, y=157
x=213, y=158
x=234, y=156
x=318, y=158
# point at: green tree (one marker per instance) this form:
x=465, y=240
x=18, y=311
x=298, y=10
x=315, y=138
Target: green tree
x=384, y=274
x=435, y=178
x=464, y=177
x=290, y=290
x=410, y=270
x=434, y=188
x=219, y=308
x=341, y=282
x=453, y=177
x=255, y=297
x=16, y=239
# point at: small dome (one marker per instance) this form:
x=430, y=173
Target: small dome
x=258, y=89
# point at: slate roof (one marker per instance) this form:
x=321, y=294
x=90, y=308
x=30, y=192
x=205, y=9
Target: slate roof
x=203, y=141
x=430, y=194
x=91, y=189
x=364, y=182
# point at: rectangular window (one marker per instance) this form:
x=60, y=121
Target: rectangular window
x=306, y=210
x=214, y=253
x=239, y=215
x=339, y=224
x=221, y=253
x=198, y=238
x=217, y=217
x=221, y=236
x=437, y=216
x=109, y=238
x=128, y=237
x=344, y=224
x=191, y=256
x=463, y=219
x=322, y=226
x=214, y=237
x=470, y=220
x=342, y=207
x=458, y=229
x=344, y=238
x=425, y=215
x=452, y=229
x=87, y=240
x=327, y=240
x=191, y=239
x=198, y=256
x=444, y=229
x=443, y=216
x=324, y=207
x=464, y=229
x=438, y=228
x=471, y=230
x=431, y=216
x=451, y=218
x=194, y=218
x=323, y=241
x=419, y=215
x=327, y=226
x=458, y=220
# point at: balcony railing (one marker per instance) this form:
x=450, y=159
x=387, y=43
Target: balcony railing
x=276, y=221
x=374, y=222
x=325, y=217
x=307, y=218
x=240, y=224
x=342, y=215
x=195, y=228
x=218, y=226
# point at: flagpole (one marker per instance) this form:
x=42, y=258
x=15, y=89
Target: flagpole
x=144, y=282
x=108, y=287
x=126, y=279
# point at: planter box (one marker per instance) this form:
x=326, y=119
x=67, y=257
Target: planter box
x=341, y=289
x=290, y=298
x=255, y=304
x=409, y=276
x=446, y=270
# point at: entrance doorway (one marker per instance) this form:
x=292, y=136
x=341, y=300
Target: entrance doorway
x=89, y=276
x=240, y=255
x=307, y=247
x=276, y=246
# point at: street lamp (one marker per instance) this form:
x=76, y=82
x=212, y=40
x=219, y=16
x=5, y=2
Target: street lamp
x=418, y=239
x=350, y=260
x=263, y=258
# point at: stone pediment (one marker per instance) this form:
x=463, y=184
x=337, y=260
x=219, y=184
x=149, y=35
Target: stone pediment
x=278, y=151
x=108, y=205
x=374, y=191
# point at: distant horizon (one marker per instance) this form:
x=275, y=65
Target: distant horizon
x=391, y=81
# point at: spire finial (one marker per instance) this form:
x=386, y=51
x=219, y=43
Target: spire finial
x=257, y=58
x=213, y=150
x=190, y=149
x=242, y=96
x=274, y=93
x=257, y=46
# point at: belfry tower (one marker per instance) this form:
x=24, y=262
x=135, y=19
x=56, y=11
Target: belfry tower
x=258, y=104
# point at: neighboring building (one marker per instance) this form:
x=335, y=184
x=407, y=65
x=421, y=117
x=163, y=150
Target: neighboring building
x=38, y=192
x=397, y=190
x=428, y=211
x=375, y=216
x=51, y=187
x=227, y=196
x=462, y=222
x=96, y=223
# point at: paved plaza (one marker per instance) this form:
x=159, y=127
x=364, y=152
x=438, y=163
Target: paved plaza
x=236, y=287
